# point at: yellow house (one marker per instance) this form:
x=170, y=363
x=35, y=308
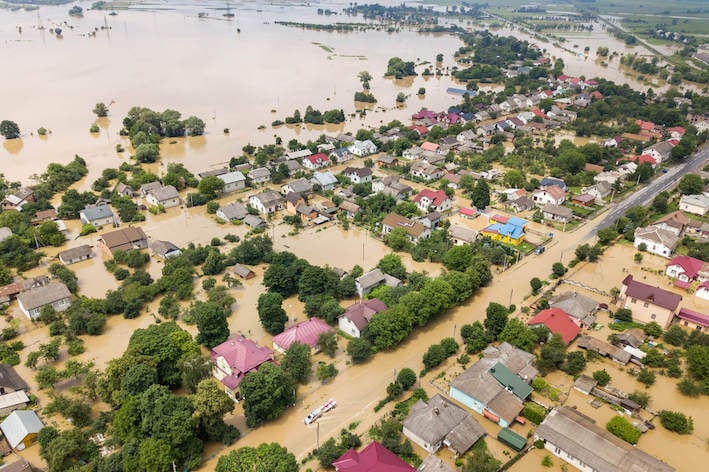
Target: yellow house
x=507, y=230
x=20, y=428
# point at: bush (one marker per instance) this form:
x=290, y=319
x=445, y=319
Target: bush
x=406, y=378
x=558, y=269
x=676, y=422
x=87, y=229
x=94, y=128
x=602, y=377
x=641, y=398
x=212, y=207
x=533, y=412
x=623, y=314
x=646, y=376
x=620, y=427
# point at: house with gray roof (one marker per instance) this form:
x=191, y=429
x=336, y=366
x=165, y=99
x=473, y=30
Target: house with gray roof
x=233, y=181
x=300, y=186
x=578, y=440
x=232, y=211
x=657, y=240
x=166, y=196
x=10, y=380
x=462, y=234
x=254, y=221
x=696, y=204
x=440, y=422
x=326, y=180
x=293, y=167
x=434, y=464
x=259, y=175
x=213, y=172
x=372, y=279
x=145, y=189
x=20, y=428
x=16, y=200
x=98, y=215
x=123, y=190
x=580, y=308
x=362, y=148
x=558, y=213
x=55, y=294
x=497, y=384
x=75, y=254
x=267, y=201
x=165, y=249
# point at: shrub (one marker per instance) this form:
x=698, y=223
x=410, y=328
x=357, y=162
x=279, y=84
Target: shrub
x=676, y=422
x=620, y=427
x=641, y=398
x=646, y=376
x=87, y=229
x=94, y=128
x=623, y=314
x=546, y=462
x=42, y=131
x=533, y=412
x=406, y=378
x=602, y=377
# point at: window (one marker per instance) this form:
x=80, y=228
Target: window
x=653, y=316
x=686, y=323
x=646, y=304
x=557, y=450
x=633, y=300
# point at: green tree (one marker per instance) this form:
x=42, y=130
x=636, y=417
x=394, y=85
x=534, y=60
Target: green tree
x=691, y=184
x=359, y=350
x=676, y=422
x=536, y=284
x=66, y=275
x=459, y=257
x=194, y=126
x=480, y=195
x=623, y=314
x=195, y=369
x=211, y=404
x=391, y=264
x=675, y=335
x=518, y=334
x=495, y=319
x=265, y=458
x=558, y=269
x=9, y=129
x=406, y=378
x=606, y=235
x=575, y=363
x=481, y=460
x=147, y=153
x=296, y=362
x=474, y=337
x=100, y=110
x=620, y=427
x=327, y=343
x=212, y=325
x=66, y=448
x=267, y=393
x=397, y=239
x=154, y=455
x=552, y=354
x=210, y=186
x=602, y=377
x=646, y=376
x=138, y=379
x=325, y=372
x=271, y=313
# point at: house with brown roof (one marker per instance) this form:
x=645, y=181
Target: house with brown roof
x=358, y=175
x=12, y=290
x=649, y=303
x=426, y=171
x=576, y=439
x=460, y=235
x=123, y=239
x=16, y=200
x=440, y=422
x=549, y=194
x=233, y=359
x=33, y=300
x=675, y=222
x=391, y=185
x=605, y=349
x=559, y=213
x=414, y=229
x=358, y=315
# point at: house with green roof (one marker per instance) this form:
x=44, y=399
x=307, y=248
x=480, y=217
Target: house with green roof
x=511, y=381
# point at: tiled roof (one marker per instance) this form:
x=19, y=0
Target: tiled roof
x=362, y=312
x=689, y=265
x=306, y=332
x=243, y=356
x=373, y=458
x=558, y=322
x=693, y=316
x=650, y=294
x=437, y=197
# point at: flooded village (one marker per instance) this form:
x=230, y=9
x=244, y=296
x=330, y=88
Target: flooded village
x=293, y=236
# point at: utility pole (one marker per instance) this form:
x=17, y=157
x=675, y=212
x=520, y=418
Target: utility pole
x=318, y=435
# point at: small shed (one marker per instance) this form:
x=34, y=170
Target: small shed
x=585, y=384
x=243, y=271
x=17, y=466
x=75, y=254
x=12, y=401
x=20, y=428
x=510, y=438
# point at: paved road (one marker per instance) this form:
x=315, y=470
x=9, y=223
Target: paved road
x=645, y=195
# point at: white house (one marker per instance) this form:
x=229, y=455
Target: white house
x=55, y=294
x=608, y=177
x=703, y=291
x=268, y=201
x=97, y=215
x=233, y=181
x=166, y=196
x=552, y=194
x=660, y=151
x=426, y=171
x=358, y=175
x=362, y=148
x=260, y=175
x=316, y=161
x=696, y=204
x=656, y=240
x=428, y=200
x=357, y=316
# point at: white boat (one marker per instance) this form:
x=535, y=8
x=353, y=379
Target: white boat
x=318, y=412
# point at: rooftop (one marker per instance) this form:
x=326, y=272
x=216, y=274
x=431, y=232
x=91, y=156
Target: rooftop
x=373, y=458
x=413, y=228
x=558, y=322
x=650, y=294
x=306, y=332
x=361, y=313
x=693, y=316
x=39, y=296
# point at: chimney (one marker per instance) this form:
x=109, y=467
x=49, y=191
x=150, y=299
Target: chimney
x=435, y=411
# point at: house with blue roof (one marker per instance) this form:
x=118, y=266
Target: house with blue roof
x=549, y=181
x=507, y=230
x=98, y=215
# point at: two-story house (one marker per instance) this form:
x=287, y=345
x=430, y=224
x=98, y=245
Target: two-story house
x=268, y=201
x=428, y=200
x=649, y=303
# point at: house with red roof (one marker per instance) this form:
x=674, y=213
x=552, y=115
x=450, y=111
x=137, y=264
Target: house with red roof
x=316, y=161
x=649, y=303
x=574, y=80
x=420, y=129
x=562, y=78
x=687, y=269
x=558, y=322
x=646, y=125
x=305, y=332
x=538, y=112
x=357, y=316
x=643, y=159
x=429, y=146
x=591, y=83
x=693, y=319
x=549, y=194
x=373, y=458
x=468, y=213
x=235, y=358
x=425, y=114
x=676, y=132
x=596, y=95
x=433, y=200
